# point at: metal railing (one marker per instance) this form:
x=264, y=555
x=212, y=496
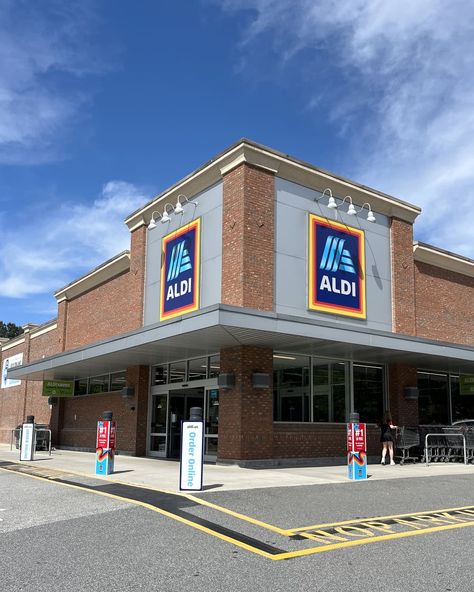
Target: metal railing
x=444, y=435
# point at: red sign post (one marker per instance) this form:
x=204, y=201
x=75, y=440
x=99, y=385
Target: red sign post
x=356, y=451
x=105, y=447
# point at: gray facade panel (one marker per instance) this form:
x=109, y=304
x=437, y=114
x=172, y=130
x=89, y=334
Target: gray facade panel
x=293, y=202
x=209, y=210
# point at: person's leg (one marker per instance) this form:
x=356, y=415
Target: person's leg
x=384, y=452
x=390, y=450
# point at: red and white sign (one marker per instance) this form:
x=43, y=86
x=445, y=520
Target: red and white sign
x=106, y=434
x=356, y=437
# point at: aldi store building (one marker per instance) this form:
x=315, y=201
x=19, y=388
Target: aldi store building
x=276, y=296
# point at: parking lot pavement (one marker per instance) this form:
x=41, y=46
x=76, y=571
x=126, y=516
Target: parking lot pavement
x=57, y=536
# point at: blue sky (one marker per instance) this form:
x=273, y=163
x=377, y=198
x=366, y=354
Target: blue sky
x=104, y=104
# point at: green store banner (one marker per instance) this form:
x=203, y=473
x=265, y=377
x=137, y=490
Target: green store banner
x=466, y=385
x=58, y=388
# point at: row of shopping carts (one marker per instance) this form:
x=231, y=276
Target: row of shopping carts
x=444, y=444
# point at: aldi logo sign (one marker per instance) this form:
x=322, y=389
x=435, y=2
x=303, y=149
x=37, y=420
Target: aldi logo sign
x=180, y=271
x=336, y=268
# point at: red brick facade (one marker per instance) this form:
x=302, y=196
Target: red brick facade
x=444, y=304
x=427, y=301
x=248, y=238
x=403, y=278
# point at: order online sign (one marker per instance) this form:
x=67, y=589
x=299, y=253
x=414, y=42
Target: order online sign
x=181, y=252
x=336, y=268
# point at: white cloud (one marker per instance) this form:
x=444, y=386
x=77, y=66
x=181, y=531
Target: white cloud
x=43, y=256
x=45, y=52
x=406, y=114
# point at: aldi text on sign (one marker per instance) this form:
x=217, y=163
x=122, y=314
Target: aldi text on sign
x=180, y=271
x=336, y=268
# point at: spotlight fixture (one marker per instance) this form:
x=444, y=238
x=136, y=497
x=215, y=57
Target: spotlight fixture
x=166, y=217
x=178, y=209
x=153, y=221
x=332, y=202
x=370, y=214
x=351, y=211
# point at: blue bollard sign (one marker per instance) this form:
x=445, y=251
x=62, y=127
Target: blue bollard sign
x=356, y=451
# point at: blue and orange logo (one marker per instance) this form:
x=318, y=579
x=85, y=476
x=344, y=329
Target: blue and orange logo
x=336, y=268
x=180, y=271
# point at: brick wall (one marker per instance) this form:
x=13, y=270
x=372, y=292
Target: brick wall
x=245, y=413
x=444, y=304
x=111, y=308
x=403, y=280
x=79, y=415
x=248, y=238
x=317, y=440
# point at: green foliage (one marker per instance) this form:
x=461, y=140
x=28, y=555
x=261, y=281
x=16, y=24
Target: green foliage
x=9, y=330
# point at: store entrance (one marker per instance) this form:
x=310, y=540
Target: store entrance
x=169, y=408
x=180, y=404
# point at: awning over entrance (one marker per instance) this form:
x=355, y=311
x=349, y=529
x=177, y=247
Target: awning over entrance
x=210, y=329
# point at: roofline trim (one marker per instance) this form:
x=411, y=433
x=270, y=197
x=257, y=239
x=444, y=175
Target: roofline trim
x=280, y=164
x=444, y=259
x=97, y=276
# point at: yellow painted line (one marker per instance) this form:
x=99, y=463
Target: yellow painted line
x=254, y=521
x=292, y=531
x=354, y=543
x=153, y=509
x=191, y=497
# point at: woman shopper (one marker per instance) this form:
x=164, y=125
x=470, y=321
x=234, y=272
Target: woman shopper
x=386, y=437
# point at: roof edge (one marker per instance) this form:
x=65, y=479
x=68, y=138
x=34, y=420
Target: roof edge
x=437, y=257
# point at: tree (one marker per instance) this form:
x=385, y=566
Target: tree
x=9, y=330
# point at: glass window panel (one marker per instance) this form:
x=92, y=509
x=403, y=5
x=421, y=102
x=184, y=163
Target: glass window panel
x=211, y=446
x=212, y=412
x=99, y=384
x=214, y=366
x=80, y=387
x=178, y=372
x=291, y=387
x=462, y=405
x=339, y=403
x=158, y=444
x=368, y=392
x=329, y=391
x=117, y=381
x=159, y=413
x=433, y=403
x=161, y=374
x=197, y=369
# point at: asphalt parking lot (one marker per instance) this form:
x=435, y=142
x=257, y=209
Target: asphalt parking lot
x=57, y=536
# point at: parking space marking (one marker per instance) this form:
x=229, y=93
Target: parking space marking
x=322, y=537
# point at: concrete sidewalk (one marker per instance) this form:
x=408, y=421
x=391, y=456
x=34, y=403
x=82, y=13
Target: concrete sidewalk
x=164, y=474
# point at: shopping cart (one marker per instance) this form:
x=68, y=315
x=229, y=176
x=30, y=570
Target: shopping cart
x=454, y=444
x=469, y=435
x=406, y=439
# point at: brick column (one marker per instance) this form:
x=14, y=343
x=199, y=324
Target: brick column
x=248, y=238
x=403, y=277
x=138, y=378
x=137, y=273
x=245, y=413
x=403, y=412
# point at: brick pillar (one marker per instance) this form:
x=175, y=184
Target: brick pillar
x=138, y=378
x=62, y=325
x=245, y=413
x=248, y=238
x=403, y=277
x=137, y=273
x=403, y=412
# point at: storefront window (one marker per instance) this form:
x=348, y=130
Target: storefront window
x=462, y=405
x=161, y=374
x=178, y=372
x=197, y=369
x=433, y=401
x=99, y=384
x=117, y=381
x=214, y=366
x=291, y=388
x=368, y=392
x=329, y=391
x=80, y=387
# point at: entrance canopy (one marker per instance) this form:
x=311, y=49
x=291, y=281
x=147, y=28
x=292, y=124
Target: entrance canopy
x=210, y=329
